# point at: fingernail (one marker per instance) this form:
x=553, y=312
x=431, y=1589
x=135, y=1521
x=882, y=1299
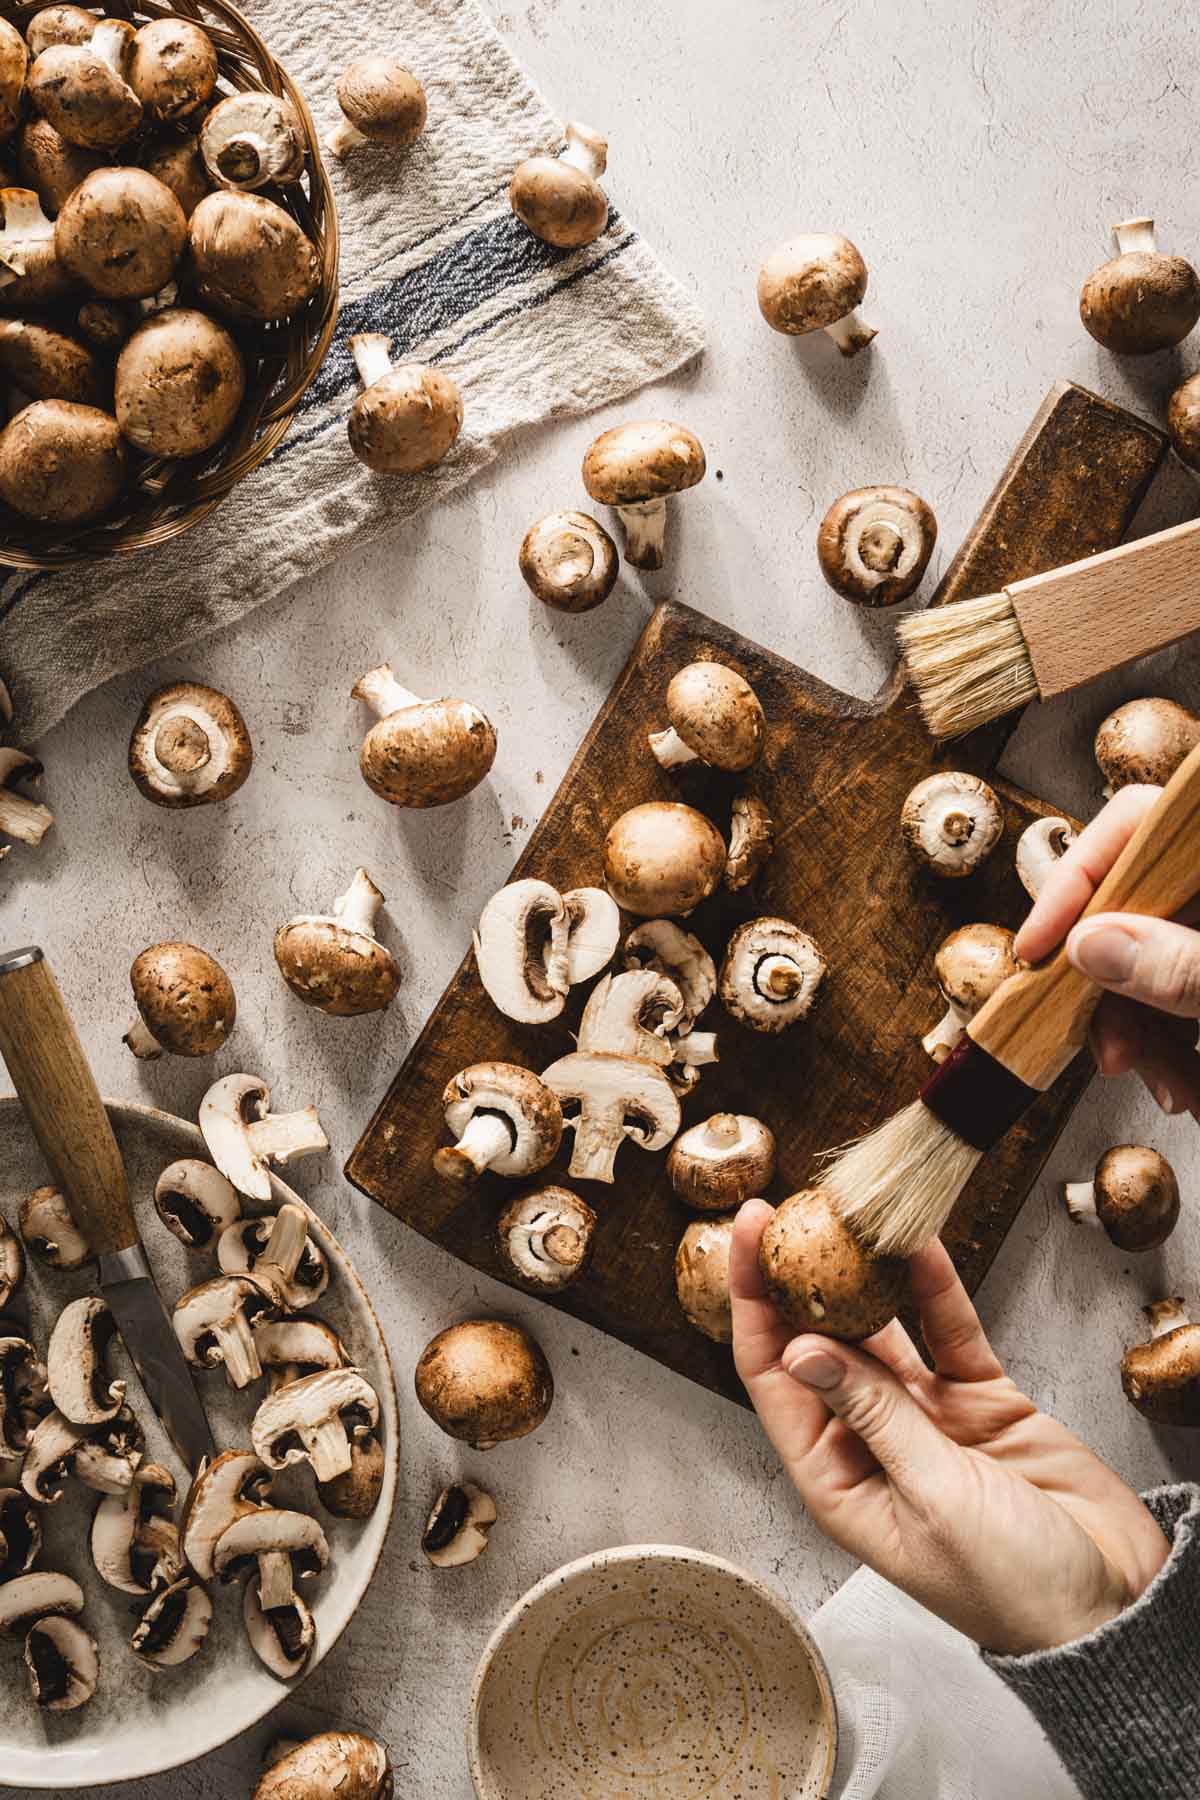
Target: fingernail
x=816, y=1370
x=1163, y=1096
x=1105, y=953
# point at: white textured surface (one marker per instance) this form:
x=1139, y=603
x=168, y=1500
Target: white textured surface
x=977, y=156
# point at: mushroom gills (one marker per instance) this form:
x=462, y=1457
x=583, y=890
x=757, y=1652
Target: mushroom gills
x=459, y=1526
x=63, y=1662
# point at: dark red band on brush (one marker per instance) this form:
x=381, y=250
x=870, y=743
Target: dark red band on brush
x=976, y=1096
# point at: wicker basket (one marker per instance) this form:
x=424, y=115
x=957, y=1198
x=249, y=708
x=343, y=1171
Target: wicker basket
x=165, y=498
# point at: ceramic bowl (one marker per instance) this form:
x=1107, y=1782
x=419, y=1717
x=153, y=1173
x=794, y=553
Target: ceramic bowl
x=651, y=1673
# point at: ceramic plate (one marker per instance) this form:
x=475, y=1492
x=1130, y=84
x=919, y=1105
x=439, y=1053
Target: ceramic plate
x=143, y=1720
x=652, y=1673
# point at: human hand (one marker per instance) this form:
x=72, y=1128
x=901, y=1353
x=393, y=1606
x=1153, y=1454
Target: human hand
x=1149, y=967
x=948, y=1481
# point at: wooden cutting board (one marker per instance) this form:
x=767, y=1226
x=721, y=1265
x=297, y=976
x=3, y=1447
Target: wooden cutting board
x=834, y=775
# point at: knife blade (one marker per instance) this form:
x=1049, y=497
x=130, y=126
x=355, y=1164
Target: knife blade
x=54, y=1084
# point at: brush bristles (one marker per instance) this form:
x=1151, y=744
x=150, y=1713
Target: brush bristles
x=896, y=1187
x=969, y=663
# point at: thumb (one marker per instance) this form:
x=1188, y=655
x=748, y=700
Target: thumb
x=877, y=1407
x=1150, y=960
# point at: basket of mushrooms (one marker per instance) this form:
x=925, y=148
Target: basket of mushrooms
x=168, y=270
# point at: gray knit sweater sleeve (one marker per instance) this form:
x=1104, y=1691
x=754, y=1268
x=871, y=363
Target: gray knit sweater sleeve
x=1122, y=1707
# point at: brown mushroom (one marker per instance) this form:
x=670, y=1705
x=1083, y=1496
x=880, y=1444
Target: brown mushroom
x=421, y=752
x=970, y=965
x=951, y=822
x=48, y=365
x=180, y=382
x=340, y=1765
x=1133, y=1197
x=715, y=718
x=702, y=1277
x=636, y=468
x=354, y=1494
x=105, y=324
x=172, y=69
x=61, y=462
x=84, y=90
x=1145, y=740
x=190, y=746
x=662, y=858
x=485, y=1382
x=569, y=562
x=253, y=138
x=503, y=1119
x=59, y=25
x=175, y=160
x=1162, y=1378
x=751, y=841
x=31, y=273
x=52, y=166
x=185, y=1001
x=1183, y=421
x=381, y=102
x=559, y=198
x=1141, y=300
x=722, y=1161
x=250, y=258
x=821, y=1277
x=874, y=544
x=334, y=961
x=815, y=283
x=407, y=417
x=545, y=1238
x=771, y=974
x=122, y=233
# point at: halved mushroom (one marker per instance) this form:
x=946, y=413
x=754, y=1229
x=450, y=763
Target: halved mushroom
x=459, y=1526
x=21, y=818
x=662, y=945
x=726, y=1159
x=1161, y=1378
x=196, y=1202
x=559, y=198
x=545, y=1238
x=1142, y=300
x=245, y=1137
x=190, y=746
x=504, y=1119
x=632, y=1015
x=716, y=719
x=104, y=1457
x=63, y=1663
x=407, y=417
x=20, y=1533
x=951, y=822
x=44, y=1594
x=50, y=1232
x=250, y=258
x=381, y=102
x=593, y=932
x=819, y=1275
x=1145, y=740
x=354, y=1494
x=83, y=88
x=185, y=1001
x=252, y=138
x=334, y=1765
x=1133, y=1196
x=521, y=951
x=874, y=544
x=485, y=1382
x=31, y=273
x=173, y=1627
x=286, y=1546
x=617, y=1097
x=48, y=365
x=661, y=858
x=569, y=562
x=315, y=1420
x=635, y=469
x=75, y=1363
x=334, y=961
x=702, y=1277
x=234, y=1484
x=135, y=1541
x=172, y=69
x=21, y=1375
x=12, y=1262
x=62, y=463
x=970, y=965
x=121, y=233
x=1039, y=848
x=279, y=1253
x=180, y=383
x=815, y=283
x=59, y=25
x=751, y=841
x=284, y=1639
x=214, y=1324
x=421, y=752
x=52, y=166
x=771, y=974
x=176, y=161
x=291, y=1347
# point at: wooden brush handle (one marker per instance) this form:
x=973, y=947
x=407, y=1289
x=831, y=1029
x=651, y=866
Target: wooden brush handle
x=1090, y=617
x=1036, y=1022
x=61, y=1100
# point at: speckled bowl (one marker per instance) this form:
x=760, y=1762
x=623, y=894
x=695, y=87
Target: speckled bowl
x=651, y=1673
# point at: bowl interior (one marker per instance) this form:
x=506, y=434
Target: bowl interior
x=652, y=1671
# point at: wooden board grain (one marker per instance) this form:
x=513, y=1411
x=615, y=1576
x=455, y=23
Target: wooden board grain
x=834, y=774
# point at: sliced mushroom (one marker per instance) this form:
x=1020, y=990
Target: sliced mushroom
x=334, y=961
x=20, y=1533
x=1039, y=848
x=31, y=273
x=408, y=417
x=636, y=469
x=874, y=544
x=771, y=974
x=716, y=719
x=459, y=1526
x=484, y=1382
x=173, y=1627
x=50, y=1232
x=250, y=259
x=631, y=1015
x=726, y=1159
x=44, y=1594
x=504, y=1119
x=75, y=1363
x=354, y=1494
x=21, y=818
x=244, y=1137
x=545, y=1238
x=235, y=1483
x=1145, y=740
x=617, y=1098
x=279, y=1253
x=284, y=1639
x=83, y=89
x=381, y=103
x=190, y=746
x=196, y=1202
x=751, y=841
x=815, y=283
x=104, y=1457
x=52, y=166
x=593, y=932
x=1142, y=300
x=569, y=562
x=702, y=1277
x=421, y=752
x=135, y=1541
x=291, y=1347
x=315, y=1420
x=970, y=965
x=20, y=1373
x=286, y=1546
x=185, y=1000
x=252, y=138
x=662, y=945
x=661, y=857
x=214, y=1324
x=951, y=822
x=1133, y=1196
x=559, y=198
x=521, y=951
x=63, y=1663
x=180, y=383
x=1161, y=1378
x=12, y=1262
x=121, y=233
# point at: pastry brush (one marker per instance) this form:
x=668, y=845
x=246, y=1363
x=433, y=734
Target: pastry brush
x=978, y=659
x=896, y=1187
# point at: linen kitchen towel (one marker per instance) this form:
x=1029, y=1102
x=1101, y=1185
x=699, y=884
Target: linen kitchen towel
x=432, y=255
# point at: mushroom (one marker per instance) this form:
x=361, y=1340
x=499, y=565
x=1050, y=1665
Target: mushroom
x=104, y=1457
x=485, y=1382
x=61, y=463
x=173, y=1627
x=135, y=1541
x=381, y=103
x=421, y=752
x=665, y=947
x=315, y=1420
x=702, y=1277
x=172, y=69
x=726, y=1159
x=284, y=1639
x=354, y=1494
x=636, y=468
x=185, y=1001
x=521, y=951
x=593, y=932
x=1141, y=300
x=20, y=1534
x=196, y=1202
x=83, y=88
x=253, y=138
x=244, y=1137
x=559, y=198
x=44, y=1594
x=190, y=746
x=52, y=166
x=814, y=283
x=1161, y=1378
x=951, y=822
x=662, y=857
x=121, y=233
x=279, y=1253
x=544, y=1238
x=1144, y=740
x=751, y=841
x=459, y=1526
x=1133, y=1196
x=75, y=1363
x=407, y=416
x=59, y=25
x=569, y=562
x=632, y=1015
x=50, y=1232
x=874, y=544
x=334, y=961
x=20, y=1374
x=821, y=1277
x=290, y=1348
x=1183, y=421
x=617, y=1097
x=63, y=1663
x=1039, y=848
x=504, y=1119
x=334, y=1765
x=214, y=1324
x=48, y=365
x=286, y=1546
x=715, y=717
x=12, y=1262
x=771, y=974
x=234, y=1484
x=970, y=965
x=180, y=383
x=31, y=273
x=176, y=162
x=249, y=257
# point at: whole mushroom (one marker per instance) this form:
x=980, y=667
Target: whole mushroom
x=1161, y=1378
x=1183, y=421
x=46, y=364
x=334, y=1765
x=970, y=965
x=819, y=1275
x=59, y=25
x=381, y=101
x=31, y=272
x=771, y=974
x=121, y=233
x=250, y=258
x=815, y=283
x=1141, y=300
x=559, y=198
x=407, y=417
x=186, y=1003
x=421, y=752
x=51, y=165
x=14, y=65
x=334, y=961
x=1040, y=847
x=175, y=160
x=180, y=384
x=1144, y=740
x=636, y=468
x=662, y=858
x=874, y=544
x=172, y=69
x=951, y=822
x=61, y=462
x=1133, y=1197
x=545, y=1238
x=484, y=1382
x=253, y=138
x=569, y=562
x=84, y=89
x=702, y=1277
x=190, y=746
x=726, y=1159
x=715, y=718
x=504, y=1119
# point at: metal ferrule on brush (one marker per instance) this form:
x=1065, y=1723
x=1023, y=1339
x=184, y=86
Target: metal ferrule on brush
x=975, y=1096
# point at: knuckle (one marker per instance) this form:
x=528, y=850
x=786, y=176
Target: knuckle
x=870, y=1409
x=1176, y=982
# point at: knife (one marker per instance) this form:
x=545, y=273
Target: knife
x=62, y=1103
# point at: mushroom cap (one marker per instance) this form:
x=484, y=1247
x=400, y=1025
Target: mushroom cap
x=663, y=945
x=185, y=997
x=702, y=1277
x=532, y=1111
x=83, y=96
x=648, y=459
x=250, y=258
x=267, y=1528
x=48, y=365
x=122, y=233
x=1040, y=847
x=662, y=857
x=1140, y=302
x=208, y=766
x=569, y=562
x=176, y=162
x=406, y=422
x=751, y=841
x=180, y=383
x=252, y=138
x=342, y=973
x=971, y=964
x=50, y=1232
x=41, y=1595
x=51, y=165
x=1183, y=421
x=559, y=203
x=952, y=822
x=354, y=1494
x=722, y=1161
x=874, y=544
x=819, y=1275
x=1161, y=1378
x=545, y=1238
x=810, y=282
x=61, y=462
x=753, y=985
x=382, y=99
x=428, y=754
x=172, y=68
x=345, y=1764
x=1136, y=1196
x=59, y=25
x=75, y=1370
x=14, y=64
x=1145, y=740
x=717, y=714
x=484, y=1382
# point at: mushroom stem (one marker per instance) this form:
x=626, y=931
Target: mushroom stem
x=1134, y=235
x=182, y=745
x=328, y=1448
x=275, y=1584
x=111, y=42
x=285, y=1246
x=1166, y=1315
x=1080, y=1197
x=645, y=523
x=939, y=1042
x=23, y=819
x=695, y=1049
x=235, y=1340
x=586, y=150
x=382, y=692
x=280, y=1136
x=778, y=977
x=670, y=748
x=372, y=353
x=487, y=1137
x=142, y=1041
x=357, y=907
x=240, y=160
x=851, y=333
x=721, y=1131
x=343, y=138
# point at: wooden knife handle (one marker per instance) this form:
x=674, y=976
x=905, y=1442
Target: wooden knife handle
x=1036, y=1022
x=1091, y=617
x=55, y=1086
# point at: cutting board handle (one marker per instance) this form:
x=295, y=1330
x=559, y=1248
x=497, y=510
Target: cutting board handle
x=54, y=1084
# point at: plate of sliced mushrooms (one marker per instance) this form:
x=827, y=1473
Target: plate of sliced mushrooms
x=145, y=1618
